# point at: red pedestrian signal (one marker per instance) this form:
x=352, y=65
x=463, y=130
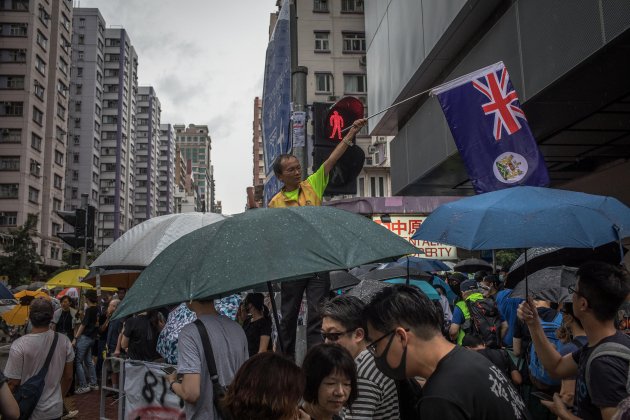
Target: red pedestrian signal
x=341, y=115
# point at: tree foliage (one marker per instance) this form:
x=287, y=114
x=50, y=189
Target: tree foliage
x=20, y=261
x=506, y=257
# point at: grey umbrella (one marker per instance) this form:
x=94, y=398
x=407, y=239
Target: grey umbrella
x=550, y=284
x=366, y=289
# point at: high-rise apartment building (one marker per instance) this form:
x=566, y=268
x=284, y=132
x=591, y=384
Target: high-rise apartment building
x=166, y=174
x=85, y=110
x=148, y=112
x=257, y=153
x=118, y=136
x=34, y=90
x=195, y=145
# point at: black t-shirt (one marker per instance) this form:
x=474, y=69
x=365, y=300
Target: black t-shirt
x=65, y=325
x=102, y=319
x=500, y=358
x=254, y=330
x=608, y=379
x=142, y=338
x=90, y=320
x=465, y=385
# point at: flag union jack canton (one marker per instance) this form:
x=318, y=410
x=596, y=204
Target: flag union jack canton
x=491, y=131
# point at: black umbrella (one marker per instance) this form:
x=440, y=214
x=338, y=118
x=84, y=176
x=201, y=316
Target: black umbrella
x=539, y=258
x=340, y=279
x=397, y=272
x=472, y=265
x=550, y=284
x=366, y=289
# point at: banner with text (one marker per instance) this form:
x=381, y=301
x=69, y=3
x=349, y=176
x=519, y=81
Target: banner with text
x=147, y=394
x=406, y=225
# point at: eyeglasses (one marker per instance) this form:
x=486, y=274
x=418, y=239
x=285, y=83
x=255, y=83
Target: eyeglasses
x=334, y=336
x=372, y=346
x=572, y=290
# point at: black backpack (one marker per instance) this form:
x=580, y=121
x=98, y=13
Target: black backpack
x=485, y=321
x=409, y=396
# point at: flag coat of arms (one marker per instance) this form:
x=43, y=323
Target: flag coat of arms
x=490, y=130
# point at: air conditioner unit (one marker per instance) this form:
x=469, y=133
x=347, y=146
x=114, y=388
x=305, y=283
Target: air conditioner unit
x=332, y=98
x=363, y=60
x=369, y=161
x=380, y=140
x=371, y=149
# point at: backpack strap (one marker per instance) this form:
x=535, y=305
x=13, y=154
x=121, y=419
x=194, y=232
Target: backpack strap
x=607, y=349
x=207, y=350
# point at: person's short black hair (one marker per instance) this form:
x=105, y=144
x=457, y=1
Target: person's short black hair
x=65, y=297
x=472, y=340
x=40, y=312
x=277, y=163
x=479, y=275
x=322, y=360
x=345, y=309
x=91, y=295
x=604, y=286
x=402, y=305
x=492, y=278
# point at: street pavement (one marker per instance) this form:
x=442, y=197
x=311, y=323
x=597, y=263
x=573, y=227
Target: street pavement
x=88, y=406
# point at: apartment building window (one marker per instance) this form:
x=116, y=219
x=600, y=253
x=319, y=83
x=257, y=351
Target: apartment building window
x=94, y=195
x=12, y=55
x=322, y=41
x=35, y=168
x=39, y=90
x=361, y=184
x=323, y=82
x=351, y=6
x=74, y=194
x=40, y=65
x=13, y=29
x=9, y=163
x=97, y=110
x=58, y=158
x=63, y=66
x=65, y=44
x=98, y=94
x=79, y=71
x=75, y=157
x=97, y=127
x=377, y=186
x=78, y=89
x=8, y=218
x=62, y=89
x=60, y=134
x=95, y=160
x=9, y=190
x=36, y=142
x=99, y=77
x=12, y=82
x=81, y=39
x=56, y=204
x=44, y=17
x=81, y=22
x=80, y=55
x=11, y=109
x=10, y=135
x=95, y=177
x=353, y=42
x=15, y=5
x=320, y=6
x=77, y=106
x=76, y=140
x=38, y=116
x=33, y=195
x=42, y=41
x=354, y=84
x=112, y=57
x=57, y=181
x=77, y=123
x=54, y=251
x=65, y=22
x=75, y=175
x=55, y=229
x=108, y=199
x=61, y=112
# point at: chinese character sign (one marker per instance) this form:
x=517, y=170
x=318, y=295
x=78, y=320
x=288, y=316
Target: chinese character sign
x=490, y=130
x=406, y=226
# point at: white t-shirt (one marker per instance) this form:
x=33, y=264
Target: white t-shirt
x=26, y=358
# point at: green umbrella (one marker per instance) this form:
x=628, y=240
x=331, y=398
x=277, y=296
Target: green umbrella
x=256, y=247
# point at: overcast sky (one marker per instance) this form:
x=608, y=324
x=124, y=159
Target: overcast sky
x=205, y=59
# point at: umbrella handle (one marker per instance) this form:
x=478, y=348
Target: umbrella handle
x=275, y=316
x=526, y=279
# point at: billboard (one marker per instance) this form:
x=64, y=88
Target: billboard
x=406, y=225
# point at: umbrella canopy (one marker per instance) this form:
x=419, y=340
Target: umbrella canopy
x=70, y=292
x=550, y=284
x=539, y=258
x=366, y=289
x=472, y=265
x=341, y=278
x=68, y=278
x=525, y=217
x=259, y=246
x=6, y=297
x=142, y=243
x=423, y=264
x=424, y=287
x=395, y=272
x=119, y=279
x=18, y=315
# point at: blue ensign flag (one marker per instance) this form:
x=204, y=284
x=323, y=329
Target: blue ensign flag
x=491, y=131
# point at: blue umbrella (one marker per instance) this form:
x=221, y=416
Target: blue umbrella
x=423, y=264
x=450, y=295
x=6, y=297
x=524, y=217
x=424, y=287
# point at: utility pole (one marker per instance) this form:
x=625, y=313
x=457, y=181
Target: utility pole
x=298, y=88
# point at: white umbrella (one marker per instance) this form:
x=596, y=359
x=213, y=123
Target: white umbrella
x=142, y=243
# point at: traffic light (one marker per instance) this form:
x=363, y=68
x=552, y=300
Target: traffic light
x=329, y=122
x=77, y=219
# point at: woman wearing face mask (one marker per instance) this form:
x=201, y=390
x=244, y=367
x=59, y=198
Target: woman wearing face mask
x=258, y=325
x=331, y=381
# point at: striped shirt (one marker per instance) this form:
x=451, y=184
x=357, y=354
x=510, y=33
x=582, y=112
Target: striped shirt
x=377, y=396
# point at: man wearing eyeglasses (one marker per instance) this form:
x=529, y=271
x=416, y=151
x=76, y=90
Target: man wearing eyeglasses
x=309, y=192
x=601, y=378
x=405, y=338
x=342, y=323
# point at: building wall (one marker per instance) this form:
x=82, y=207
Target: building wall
x=195, y=145
x=257, y=153
x=166, y=175
x=147, y=153
x=34, y=72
